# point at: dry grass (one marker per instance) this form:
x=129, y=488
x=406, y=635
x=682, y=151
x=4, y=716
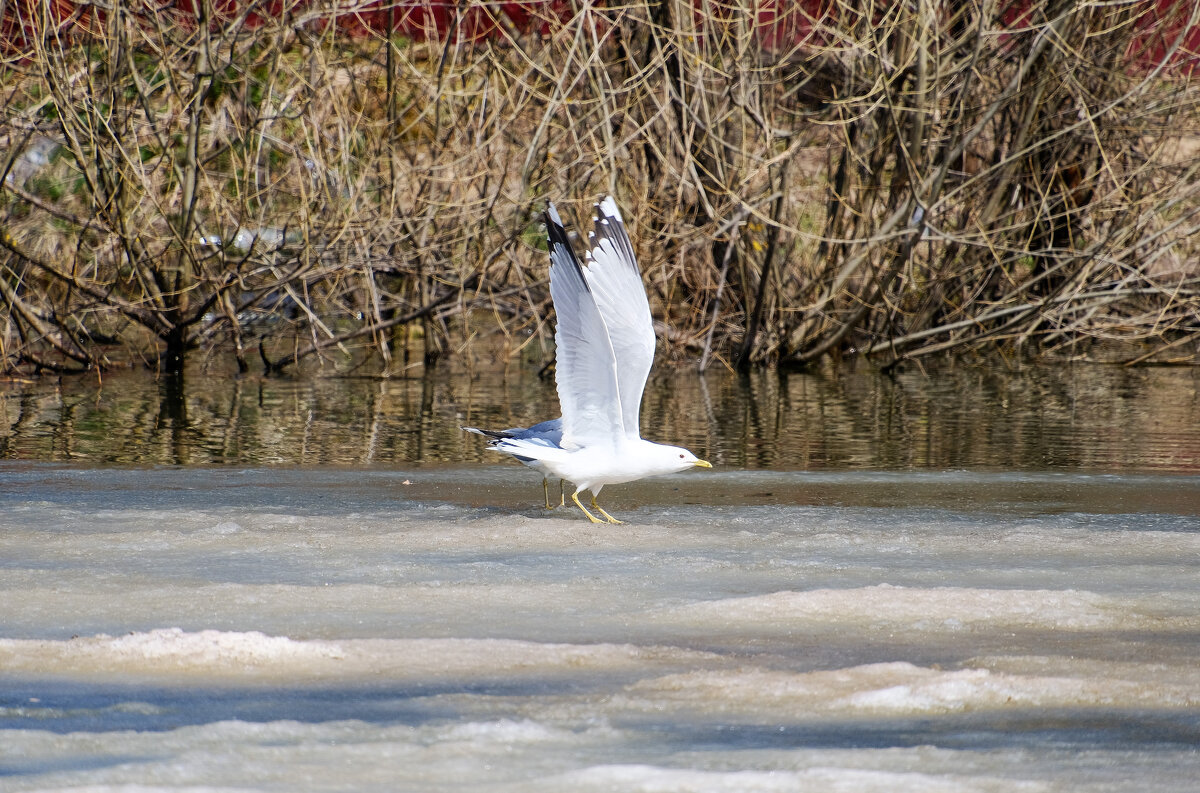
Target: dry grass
x=900, y=183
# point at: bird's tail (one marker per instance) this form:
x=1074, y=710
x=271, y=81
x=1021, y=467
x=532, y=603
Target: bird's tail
x=495, y=435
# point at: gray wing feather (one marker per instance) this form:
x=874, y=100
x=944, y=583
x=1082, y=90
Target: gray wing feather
x=616, y=285
x=585, y=363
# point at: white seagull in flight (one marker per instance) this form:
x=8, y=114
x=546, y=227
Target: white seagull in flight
x=604, y=343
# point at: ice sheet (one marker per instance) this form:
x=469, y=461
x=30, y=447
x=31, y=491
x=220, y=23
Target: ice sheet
x=941, y=609
x=192, y=630
x=223, y=657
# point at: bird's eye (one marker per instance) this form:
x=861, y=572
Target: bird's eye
x=681, y=457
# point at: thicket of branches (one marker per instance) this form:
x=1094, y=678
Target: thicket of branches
x=801, y=180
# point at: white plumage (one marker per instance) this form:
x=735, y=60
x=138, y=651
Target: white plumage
x=604, y=341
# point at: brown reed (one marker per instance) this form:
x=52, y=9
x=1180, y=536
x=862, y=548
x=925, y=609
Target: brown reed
x=887, y=180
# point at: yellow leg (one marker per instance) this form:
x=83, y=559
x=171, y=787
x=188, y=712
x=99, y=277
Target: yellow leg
x=591, y=517
x=600, y=509
x=562, y=493
x=546, y=490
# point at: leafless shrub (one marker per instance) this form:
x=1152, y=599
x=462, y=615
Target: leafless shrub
x=893, y=180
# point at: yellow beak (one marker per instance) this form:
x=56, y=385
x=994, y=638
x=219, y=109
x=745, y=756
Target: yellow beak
x=702, y=464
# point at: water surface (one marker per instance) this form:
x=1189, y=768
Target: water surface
x=1071, y=418
x=967, y=581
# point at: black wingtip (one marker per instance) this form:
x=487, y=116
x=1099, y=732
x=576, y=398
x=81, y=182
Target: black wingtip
x=555, y=233
x=558, y=239
x=608, y=225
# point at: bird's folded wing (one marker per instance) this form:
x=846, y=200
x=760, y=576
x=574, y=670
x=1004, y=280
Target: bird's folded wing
x=549, y=432
x=616, y=285
x=585, y=365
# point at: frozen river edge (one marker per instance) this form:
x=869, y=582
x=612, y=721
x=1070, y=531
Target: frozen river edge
x=284, y=629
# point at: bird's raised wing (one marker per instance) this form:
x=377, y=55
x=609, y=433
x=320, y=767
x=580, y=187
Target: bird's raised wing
x=616, y=284
x=585, y=365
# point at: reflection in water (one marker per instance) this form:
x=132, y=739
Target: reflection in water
x=172, y=418
x=1081, y=417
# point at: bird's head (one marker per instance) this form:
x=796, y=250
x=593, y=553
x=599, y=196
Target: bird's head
x=679, y=459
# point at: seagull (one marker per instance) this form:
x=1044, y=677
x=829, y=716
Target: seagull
x=604, y=348
x=547, y=433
